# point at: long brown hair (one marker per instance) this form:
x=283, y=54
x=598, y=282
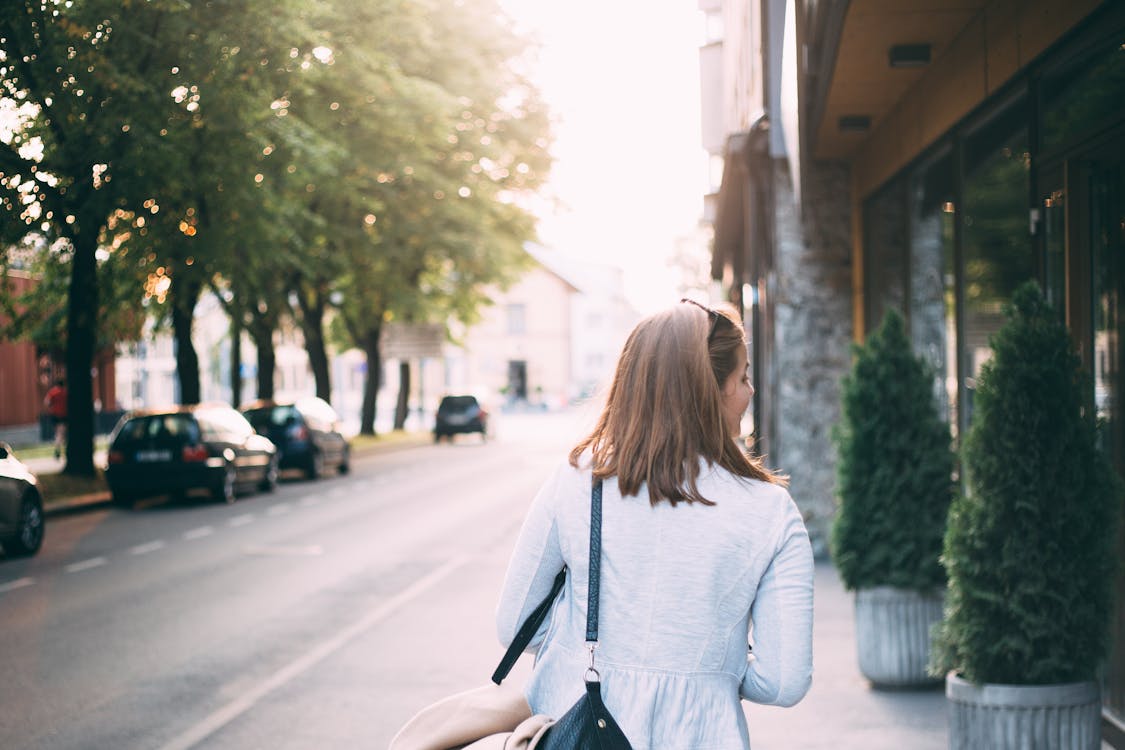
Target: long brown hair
x=664, y=409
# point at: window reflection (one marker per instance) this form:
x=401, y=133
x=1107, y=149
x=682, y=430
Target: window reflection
x=885, y=254
x=933, y=322
x=1084, y=95
x=998, y=253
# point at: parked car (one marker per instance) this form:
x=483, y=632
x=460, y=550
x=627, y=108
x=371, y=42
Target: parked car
x=180, y=449
x=460, y=414
x=306, y=432
x=21, y=507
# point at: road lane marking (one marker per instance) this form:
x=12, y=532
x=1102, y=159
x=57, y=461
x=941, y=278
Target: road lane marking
x=228, y=713
x=242, y=520
x=202, y=531
x=311, y=550
x=278, y=510
x=93, y=562
x=19, y=583
x=144, y=549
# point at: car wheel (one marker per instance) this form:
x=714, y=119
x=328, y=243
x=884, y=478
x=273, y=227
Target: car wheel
x=345, y=461
x=224, y=491
x=269, y=482
x=315, y=466
x=29, y=530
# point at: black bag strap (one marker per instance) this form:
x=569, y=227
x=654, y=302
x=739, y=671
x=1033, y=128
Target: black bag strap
x=535, y=619
x=594, y=584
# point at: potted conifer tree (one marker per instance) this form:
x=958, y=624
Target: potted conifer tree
x=894, y=486
x=1029, y=548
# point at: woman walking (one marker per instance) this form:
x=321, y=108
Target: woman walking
x=703, y=551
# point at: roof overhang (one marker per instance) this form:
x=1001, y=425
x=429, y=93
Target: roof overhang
x=865, y=55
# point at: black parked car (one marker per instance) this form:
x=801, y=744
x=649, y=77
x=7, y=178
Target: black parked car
x=460, y=414
x=306, y=432
x=21, y=507
x=203, y=447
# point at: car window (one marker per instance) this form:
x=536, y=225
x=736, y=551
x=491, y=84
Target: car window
x=263, y=418
x=224, y=424
x=457, y=404
x=157, y=426
x=319, y=412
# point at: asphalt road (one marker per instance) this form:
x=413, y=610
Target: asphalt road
x=319, y=616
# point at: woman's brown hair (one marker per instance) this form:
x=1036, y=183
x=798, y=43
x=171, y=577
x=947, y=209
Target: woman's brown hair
x=664, y=409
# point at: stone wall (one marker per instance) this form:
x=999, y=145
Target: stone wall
x=812, y=335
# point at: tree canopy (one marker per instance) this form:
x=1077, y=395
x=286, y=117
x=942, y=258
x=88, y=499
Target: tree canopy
x=304, y=158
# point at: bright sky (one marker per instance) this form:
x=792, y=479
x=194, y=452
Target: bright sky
x=622, y=80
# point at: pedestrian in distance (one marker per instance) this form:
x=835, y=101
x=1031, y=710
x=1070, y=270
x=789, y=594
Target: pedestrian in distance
x=55, y=405
x=701, y=544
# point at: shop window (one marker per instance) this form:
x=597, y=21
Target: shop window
x=998, y=253
x=1084, y=95
x=933, y=320
x=1107, y=231
x=885, y=254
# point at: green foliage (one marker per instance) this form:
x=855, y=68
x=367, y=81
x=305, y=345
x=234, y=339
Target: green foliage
x=894, y=469
x=1029, y=549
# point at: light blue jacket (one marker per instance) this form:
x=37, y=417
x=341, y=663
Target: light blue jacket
x=681, y=588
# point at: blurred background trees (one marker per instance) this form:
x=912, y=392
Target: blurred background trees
x=305, y=160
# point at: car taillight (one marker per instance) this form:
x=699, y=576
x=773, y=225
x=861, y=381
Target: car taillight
x=193, y=453
x=115, y=457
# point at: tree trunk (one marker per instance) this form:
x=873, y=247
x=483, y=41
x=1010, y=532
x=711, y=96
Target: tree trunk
x=184, y=293
x=81, y=337
x=235, y=359
x=371, y=384
x=403, y=403
x=262, y=334
x=312, y=326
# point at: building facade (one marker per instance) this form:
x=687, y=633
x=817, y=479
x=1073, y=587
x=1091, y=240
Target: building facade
x=926, y=157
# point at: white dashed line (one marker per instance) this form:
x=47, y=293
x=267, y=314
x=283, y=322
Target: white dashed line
x=19, y=583
x=242, y=520
x=144, y=549
x=202, y=531
x=278, y=510
x=93, y=562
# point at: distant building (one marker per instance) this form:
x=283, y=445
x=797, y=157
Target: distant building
x=549, y=340
x=26, y=372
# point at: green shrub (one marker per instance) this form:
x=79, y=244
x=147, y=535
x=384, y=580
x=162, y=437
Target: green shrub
x=894, y=468
x=1029, y=549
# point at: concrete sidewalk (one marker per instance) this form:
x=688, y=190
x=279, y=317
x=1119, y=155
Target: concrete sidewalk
x=842, y=711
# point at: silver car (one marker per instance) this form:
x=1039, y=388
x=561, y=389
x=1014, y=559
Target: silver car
x=21, y=507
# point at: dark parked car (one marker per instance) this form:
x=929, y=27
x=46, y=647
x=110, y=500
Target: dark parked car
x=459, y=414
x=306, y=432
x=202, y=447
x=21, y=507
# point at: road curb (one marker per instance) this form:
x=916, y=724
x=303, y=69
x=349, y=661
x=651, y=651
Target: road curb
x=64, y=506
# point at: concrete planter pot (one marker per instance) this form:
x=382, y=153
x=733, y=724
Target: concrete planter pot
x=1015, y=717
x=892, y=629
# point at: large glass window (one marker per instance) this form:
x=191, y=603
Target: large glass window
x=1107, y=233
x=933, y=321
x=1084, y=96
x=998, y=254
x=885, y=256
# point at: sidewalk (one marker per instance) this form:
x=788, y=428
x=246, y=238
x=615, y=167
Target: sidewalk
x=842, y=711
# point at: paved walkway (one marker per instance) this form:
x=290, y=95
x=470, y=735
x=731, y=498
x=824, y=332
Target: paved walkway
x=842, y=711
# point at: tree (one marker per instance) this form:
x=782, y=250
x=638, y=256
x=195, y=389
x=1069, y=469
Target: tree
x=448, y=135
x=80, y=77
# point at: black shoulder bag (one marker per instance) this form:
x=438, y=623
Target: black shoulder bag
x=588, y=724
